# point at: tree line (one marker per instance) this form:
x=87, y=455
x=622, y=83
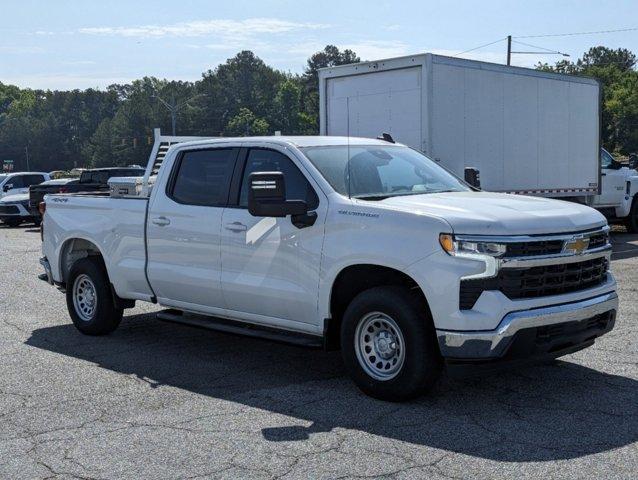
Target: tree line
x=243, y=96
x=93, y=128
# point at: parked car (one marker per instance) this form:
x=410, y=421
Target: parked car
x=357, y=244
x=37, y=192
x=19, y=182
x=93, y=180
x=14, y=210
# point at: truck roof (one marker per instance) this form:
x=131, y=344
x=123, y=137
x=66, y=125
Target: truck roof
x=298, y=141
x=421, y=58
x=106, y=169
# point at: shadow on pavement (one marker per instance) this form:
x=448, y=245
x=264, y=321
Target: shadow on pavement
x=541, y=413
x=625, y=245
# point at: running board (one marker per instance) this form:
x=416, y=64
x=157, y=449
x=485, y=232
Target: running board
x=240, y=328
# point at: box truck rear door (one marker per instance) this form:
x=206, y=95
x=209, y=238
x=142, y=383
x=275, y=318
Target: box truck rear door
x=384, y=101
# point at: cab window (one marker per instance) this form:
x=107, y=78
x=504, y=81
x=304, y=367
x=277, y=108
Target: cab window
x=264, y=160
x=202, y=177
x=606, y=160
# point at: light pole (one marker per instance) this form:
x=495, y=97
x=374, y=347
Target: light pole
x=174, y=107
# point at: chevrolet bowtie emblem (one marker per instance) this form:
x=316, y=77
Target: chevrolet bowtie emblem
x=576, y=246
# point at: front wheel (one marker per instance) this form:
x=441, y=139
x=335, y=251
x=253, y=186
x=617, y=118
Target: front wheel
x=89, y=298
x=389, y=344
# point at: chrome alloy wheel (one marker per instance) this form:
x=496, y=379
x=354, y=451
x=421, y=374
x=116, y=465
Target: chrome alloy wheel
x=84, y=297
x=379, y=346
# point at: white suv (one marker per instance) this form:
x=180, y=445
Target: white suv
x=19, y=182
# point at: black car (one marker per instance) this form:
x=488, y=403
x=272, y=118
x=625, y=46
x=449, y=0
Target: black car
x=90, y=181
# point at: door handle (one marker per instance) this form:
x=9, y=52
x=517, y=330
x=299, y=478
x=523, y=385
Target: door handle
x=236, y=227
x=161, y=221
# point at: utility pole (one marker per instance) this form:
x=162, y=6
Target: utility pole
x=543, y=50
x=173, y=107
x=26, y=152
x=509, y=49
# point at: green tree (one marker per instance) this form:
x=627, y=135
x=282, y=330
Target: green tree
x=245, y=123
x=330, y=56
x=615, y=68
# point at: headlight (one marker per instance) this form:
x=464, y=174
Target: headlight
x=470, y=248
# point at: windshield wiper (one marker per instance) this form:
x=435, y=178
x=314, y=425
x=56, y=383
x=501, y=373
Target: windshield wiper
x=373, y=197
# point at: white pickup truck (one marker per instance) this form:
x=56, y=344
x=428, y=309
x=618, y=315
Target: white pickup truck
x=350, y=243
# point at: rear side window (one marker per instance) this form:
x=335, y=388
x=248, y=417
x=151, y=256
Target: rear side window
x=33, y=180
x=16, y=182
x=203, y=177
x=297, y=186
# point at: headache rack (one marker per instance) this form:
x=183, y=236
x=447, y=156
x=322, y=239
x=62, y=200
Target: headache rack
x=141, y=186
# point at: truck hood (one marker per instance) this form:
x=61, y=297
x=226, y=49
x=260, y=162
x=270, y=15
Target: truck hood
x=17, y=198
x=484, y=213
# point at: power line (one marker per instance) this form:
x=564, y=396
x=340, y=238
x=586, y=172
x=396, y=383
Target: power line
x=480, y=46
x=536, y=46
x=579, y=33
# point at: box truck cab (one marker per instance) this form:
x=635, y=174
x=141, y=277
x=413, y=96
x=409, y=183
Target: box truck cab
x=526, y=131
x=619, y=185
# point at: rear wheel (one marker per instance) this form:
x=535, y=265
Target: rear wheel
x=631, y=222
x=89, y=298
x=12, y=222
x=389, y=344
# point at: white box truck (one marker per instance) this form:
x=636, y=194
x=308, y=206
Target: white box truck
x=526, y=131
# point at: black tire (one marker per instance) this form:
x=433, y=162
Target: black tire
x=95, y=312
x=421, y=364
x=12, y=223
x=631, y=222
x=37, y=221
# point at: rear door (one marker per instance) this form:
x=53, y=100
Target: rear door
x=270, y=267
x=183, y=230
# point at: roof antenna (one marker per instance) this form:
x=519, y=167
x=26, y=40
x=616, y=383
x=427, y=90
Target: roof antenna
x=348, y=137
x=386, y=137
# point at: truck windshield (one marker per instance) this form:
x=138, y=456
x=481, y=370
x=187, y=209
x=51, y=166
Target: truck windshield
x=374, y=172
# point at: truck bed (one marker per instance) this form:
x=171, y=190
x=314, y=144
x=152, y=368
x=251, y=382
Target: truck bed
x=114, y=225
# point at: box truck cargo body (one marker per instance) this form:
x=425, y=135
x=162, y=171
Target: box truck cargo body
x=526, y=131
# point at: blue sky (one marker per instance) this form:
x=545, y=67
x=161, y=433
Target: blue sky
x=65, y=44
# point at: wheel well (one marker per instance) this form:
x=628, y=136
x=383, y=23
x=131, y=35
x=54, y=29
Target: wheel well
x=355, y=279
x=73, y=250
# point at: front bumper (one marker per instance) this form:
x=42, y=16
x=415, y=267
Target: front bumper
x=12, y=211
x=544, y=331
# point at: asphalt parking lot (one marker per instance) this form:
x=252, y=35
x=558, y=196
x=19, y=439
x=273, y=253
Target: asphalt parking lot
x=157, y=400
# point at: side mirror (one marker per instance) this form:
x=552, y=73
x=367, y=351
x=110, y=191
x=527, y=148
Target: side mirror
x=267, y=196
x=473, y=177
x=7, y=187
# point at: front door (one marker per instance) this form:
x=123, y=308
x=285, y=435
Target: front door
x=183, y=230
x=613, y=182
x=270, y=268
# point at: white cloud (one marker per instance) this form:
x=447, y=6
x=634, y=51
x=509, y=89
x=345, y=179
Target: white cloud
x=63, y=81
x=79, y=62
x=365, y=49
x=20, y=50
x=376, y=50
x=221, y=27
